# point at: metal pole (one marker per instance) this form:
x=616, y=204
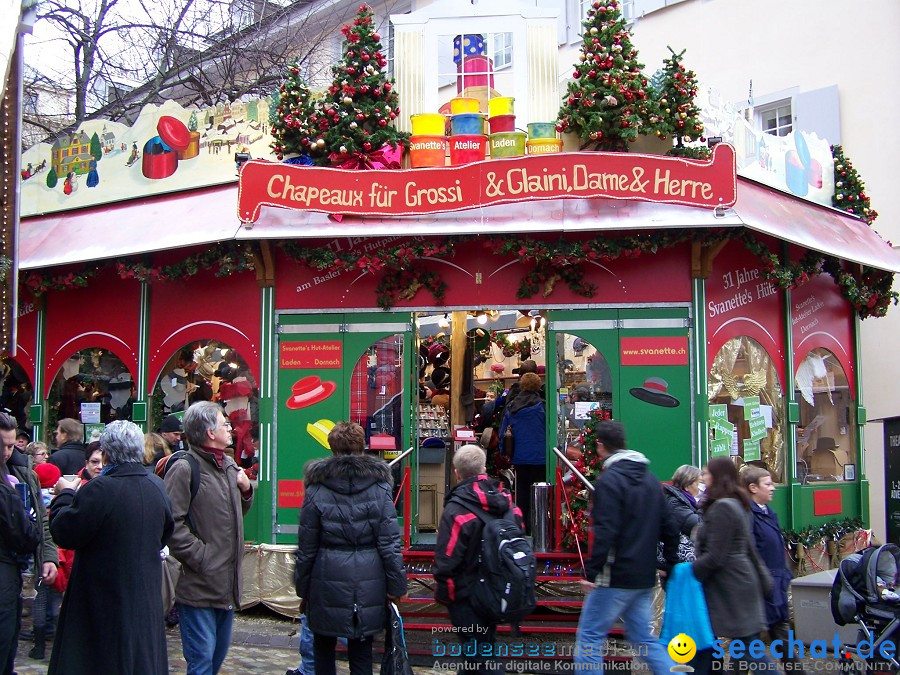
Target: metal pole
x=571, y=467
x=400, y=456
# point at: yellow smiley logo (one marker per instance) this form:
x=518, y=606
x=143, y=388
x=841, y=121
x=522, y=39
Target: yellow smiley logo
x=682, y=648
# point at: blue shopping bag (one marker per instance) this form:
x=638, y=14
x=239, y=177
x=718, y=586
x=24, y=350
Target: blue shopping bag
x=686, y=610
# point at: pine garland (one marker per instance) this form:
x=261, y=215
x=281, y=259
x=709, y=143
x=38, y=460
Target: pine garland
x=223, y=260
x=849, y=188
x=576, y=515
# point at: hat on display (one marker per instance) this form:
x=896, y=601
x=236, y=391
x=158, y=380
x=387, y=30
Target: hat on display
x=440, y=377
x=433, y=442
x=481, y=338
x=438, y=354
x=655, y=391
x=825, y=443
x=527, y=366
x=48, y=474
x=579, y=346
x=171, y=424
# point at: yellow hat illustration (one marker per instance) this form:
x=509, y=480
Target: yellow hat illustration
x=320, y=430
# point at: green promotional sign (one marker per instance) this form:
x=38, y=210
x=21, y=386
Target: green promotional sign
x=758, y=429
x=719, y=447
x=751, y=407
x=751, y=450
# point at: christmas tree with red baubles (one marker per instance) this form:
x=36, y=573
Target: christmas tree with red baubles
x=362, y=102
x=849, y=189
x=298, y=126
x=680, y=114
x=607, y=104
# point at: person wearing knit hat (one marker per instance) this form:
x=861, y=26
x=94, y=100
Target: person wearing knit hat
x=48, y=474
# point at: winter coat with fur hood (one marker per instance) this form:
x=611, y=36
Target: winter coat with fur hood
x=348, y=558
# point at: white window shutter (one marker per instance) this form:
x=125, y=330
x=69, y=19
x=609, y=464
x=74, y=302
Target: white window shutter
x=819, y=111
x=562, y=27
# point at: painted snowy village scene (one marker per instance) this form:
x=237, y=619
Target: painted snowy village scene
x=167, y=149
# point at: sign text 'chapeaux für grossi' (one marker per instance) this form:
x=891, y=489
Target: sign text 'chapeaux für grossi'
x=571, y=175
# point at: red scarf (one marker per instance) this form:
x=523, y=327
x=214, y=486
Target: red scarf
x=217, y=453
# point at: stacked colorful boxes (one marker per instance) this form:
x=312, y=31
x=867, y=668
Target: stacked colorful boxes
x=505, y=140
x=542, y=138
x=467, y=139
x=428, y=143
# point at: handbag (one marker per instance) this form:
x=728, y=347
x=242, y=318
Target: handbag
x=395, y=660
x=685, y=610
x=171, y=572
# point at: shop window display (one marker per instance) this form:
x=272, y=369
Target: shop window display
x=92, y=376
x=826, y=431
x=209, y=370
x=375, y=394
x=743, y=379
x=583, y=384
x=15, y=391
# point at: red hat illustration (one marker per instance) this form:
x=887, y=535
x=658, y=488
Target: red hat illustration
x=309, y=391
x=655, y=391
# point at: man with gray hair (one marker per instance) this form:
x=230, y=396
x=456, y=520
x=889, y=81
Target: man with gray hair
x=208, y=538
x=116, y=523
x=456, y=554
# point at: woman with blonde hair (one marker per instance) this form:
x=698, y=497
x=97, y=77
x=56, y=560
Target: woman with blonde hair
x=155, y=448
x=39, y=451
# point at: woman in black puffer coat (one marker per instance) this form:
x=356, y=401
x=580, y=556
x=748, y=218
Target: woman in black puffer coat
x=348, y=560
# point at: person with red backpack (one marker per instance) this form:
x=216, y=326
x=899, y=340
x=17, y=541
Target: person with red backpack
x=460, y=579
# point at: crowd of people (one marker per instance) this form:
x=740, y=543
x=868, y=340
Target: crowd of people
x=99, y=510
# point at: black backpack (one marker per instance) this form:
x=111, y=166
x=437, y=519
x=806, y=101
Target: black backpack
x=503, y=591
x=166, y=463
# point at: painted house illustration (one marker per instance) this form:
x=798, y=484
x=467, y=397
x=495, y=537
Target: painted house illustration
x=72, y=153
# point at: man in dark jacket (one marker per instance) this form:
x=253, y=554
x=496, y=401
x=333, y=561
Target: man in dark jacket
x=209, y=537
x=46, y=557
x=456, y=552
x=18, y=538
x=69, y=453
x=770, y=546
x=629, y=517
x=116, y=523
x=348, y=560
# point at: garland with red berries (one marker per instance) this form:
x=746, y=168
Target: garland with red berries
x=576, y=508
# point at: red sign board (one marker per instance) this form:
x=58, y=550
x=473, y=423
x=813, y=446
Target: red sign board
x=568, y=175
x=827, y=503
x=290, y=494
x=311, y=354
x=654, y=351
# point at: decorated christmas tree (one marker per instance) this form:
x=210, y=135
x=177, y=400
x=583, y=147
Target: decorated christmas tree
x=849, y=189
x=607, y=104
x=680, y=115
x=297, y=125
x=576, y=503
x=361, y=103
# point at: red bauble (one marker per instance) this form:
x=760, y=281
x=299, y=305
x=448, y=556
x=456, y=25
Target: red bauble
x=576, y=74
x=376, y=37
x=571, y=100
x=365, y=57
x=382, y=122
x=387, y=86
x=592, y=73
x=351, y=70
x=364, y=89
x=367, y=146
x=360, y=117
x=393, y=116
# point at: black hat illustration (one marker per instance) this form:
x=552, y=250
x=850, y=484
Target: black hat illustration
x=655, y=391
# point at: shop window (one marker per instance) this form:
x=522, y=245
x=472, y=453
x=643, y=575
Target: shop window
x=209, y=370
x=15, y=391
x=583, y=384
x=477, y=65
x=376, y=386
x=776, y=119
x=826, y=431
x=744, y=380
x=94, y=387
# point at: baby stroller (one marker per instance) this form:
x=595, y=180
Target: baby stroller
x=865, y=592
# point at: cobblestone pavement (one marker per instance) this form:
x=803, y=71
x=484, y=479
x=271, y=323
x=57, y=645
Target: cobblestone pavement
x=262, y=642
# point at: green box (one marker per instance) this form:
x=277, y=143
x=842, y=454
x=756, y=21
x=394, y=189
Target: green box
x=139, y=411
x=793, y=412
x=36, y=413
x=861, y=415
